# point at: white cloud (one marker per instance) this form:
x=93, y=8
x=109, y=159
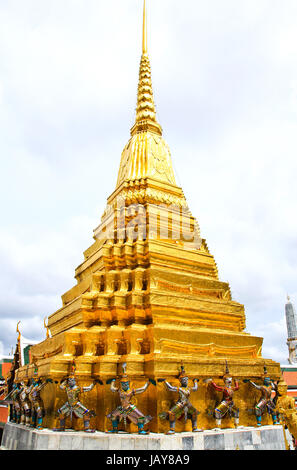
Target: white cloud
x=31, y=328
x=274, y=345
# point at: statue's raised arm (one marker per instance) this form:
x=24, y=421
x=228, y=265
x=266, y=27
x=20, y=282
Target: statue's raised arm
x=88, y=388
x=170, y=387
x=140, y=390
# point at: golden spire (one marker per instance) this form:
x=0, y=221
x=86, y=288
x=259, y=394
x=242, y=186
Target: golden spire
x=145, y=110
x=18, y=331
x=146, y=155
x=144, y=30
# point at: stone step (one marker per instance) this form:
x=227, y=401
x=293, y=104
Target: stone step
x=19, y=437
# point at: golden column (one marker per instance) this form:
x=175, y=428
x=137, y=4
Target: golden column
x=148, y=294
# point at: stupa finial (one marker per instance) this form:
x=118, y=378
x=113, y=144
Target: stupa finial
x=144, y=30
x=145, y=110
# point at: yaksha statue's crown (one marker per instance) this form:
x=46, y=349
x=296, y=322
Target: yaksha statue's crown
x=227, y=372
x=124, y=375
x=72, y=370
x=182, y=372
x=265, y=373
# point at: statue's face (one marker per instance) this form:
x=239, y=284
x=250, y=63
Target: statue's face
x=282, y=389
x=228, y=381
x=71, y=382
x=125, y=386
x=184, y=381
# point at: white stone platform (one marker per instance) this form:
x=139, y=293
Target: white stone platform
x=18, y=437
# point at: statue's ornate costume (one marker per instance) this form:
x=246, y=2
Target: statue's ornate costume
x=25, y=403
x=16, y=403
x=227, y=405
x=3, y=386
x=183, y=407
x=37, y=406
x=73, y=407
x=127, y=410
x=3, y=391
x=286, y=409
x=266, y=402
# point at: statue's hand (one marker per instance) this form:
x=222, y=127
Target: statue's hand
x=108, y=382
x=152, y=381
x=207, y=381
x=161, y=380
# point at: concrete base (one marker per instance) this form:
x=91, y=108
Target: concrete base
x=18, y=437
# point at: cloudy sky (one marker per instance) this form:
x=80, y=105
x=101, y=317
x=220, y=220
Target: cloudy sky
x=225, y=83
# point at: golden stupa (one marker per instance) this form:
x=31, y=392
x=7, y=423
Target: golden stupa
x=148, y=294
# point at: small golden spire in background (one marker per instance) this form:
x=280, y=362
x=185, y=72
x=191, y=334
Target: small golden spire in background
x=47, y=328
x=18, y=331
